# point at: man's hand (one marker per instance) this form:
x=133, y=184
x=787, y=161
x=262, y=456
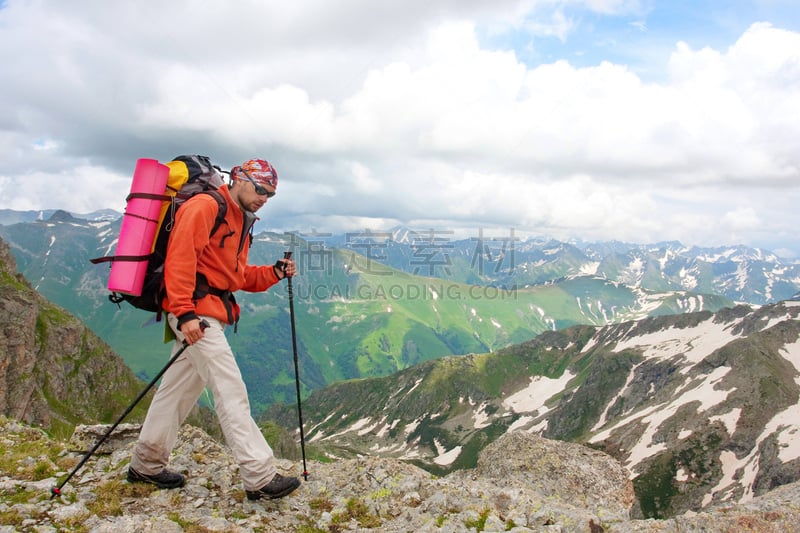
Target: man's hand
x=193, y=330
x=284, y=268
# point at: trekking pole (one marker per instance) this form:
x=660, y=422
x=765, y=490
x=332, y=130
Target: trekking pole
x=288, y=255
x=56, y=491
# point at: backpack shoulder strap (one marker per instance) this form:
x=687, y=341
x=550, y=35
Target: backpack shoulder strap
x=222, y=210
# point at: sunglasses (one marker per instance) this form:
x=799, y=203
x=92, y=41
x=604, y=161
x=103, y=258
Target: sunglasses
x=260, y=190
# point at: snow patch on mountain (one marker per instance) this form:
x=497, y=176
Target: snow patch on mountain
x=703, y=391
x=443, y=456
x=784, y=426
x=589, y=269
x=533, y=397
x=481, y=417
x=729, y=420
x=692, y=344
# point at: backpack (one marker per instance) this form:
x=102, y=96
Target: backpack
x=188, y=175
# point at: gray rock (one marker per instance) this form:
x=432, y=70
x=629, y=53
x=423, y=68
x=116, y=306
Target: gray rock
x=523, y=483
x=85, y=437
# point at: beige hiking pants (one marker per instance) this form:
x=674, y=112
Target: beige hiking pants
x=209, y=362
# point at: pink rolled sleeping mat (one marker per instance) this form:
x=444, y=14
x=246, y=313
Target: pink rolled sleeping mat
x=139, y=226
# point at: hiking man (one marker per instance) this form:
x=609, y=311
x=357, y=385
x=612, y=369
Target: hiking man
x=201, y=273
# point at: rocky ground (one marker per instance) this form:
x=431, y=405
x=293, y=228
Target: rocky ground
x=522, y=483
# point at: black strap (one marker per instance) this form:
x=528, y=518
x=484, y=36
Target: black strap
x=107, y=259
x=203, y=289
x=148, y=196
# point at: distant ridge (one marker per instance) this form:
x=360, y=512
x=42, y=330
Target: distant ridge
x=11, y=216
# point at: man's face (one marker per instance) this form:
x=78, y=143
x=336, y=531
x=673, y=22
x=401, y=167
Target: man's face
x=255, y=194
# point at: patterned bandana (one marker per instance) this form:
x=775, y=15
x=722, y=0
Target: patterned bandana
x=258, y=169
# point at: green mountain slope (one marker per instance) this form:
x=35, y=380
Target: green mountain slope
x=355, y=316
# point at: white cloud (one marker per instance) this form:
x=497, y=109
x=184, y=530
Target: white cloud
x=400, y=112
x=742, y=218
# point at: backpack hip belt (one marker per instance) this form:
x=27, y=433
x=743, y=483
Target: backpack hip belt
x=203, y=289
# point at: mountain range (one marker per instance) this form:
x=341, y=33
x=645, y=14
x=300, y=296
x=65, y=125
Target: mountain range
x=701, y=408
x=370, y=303
x=740, y=273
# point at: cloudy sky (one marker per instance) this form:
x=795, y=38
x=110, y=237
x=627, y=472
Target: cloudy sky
x=635, y=120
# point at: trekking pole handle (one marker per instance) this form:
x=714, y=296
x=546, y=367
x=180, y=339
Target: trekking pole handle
x=286, y=256
x=280, y=265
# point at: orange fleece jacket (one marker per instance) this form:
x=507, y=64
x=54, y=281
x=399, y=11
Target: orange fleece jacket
x=191, y=251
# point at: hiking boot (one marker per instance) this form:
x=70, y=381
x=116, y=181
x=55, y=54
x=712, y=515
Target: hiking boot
x=278, y=487
x=165, y=479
